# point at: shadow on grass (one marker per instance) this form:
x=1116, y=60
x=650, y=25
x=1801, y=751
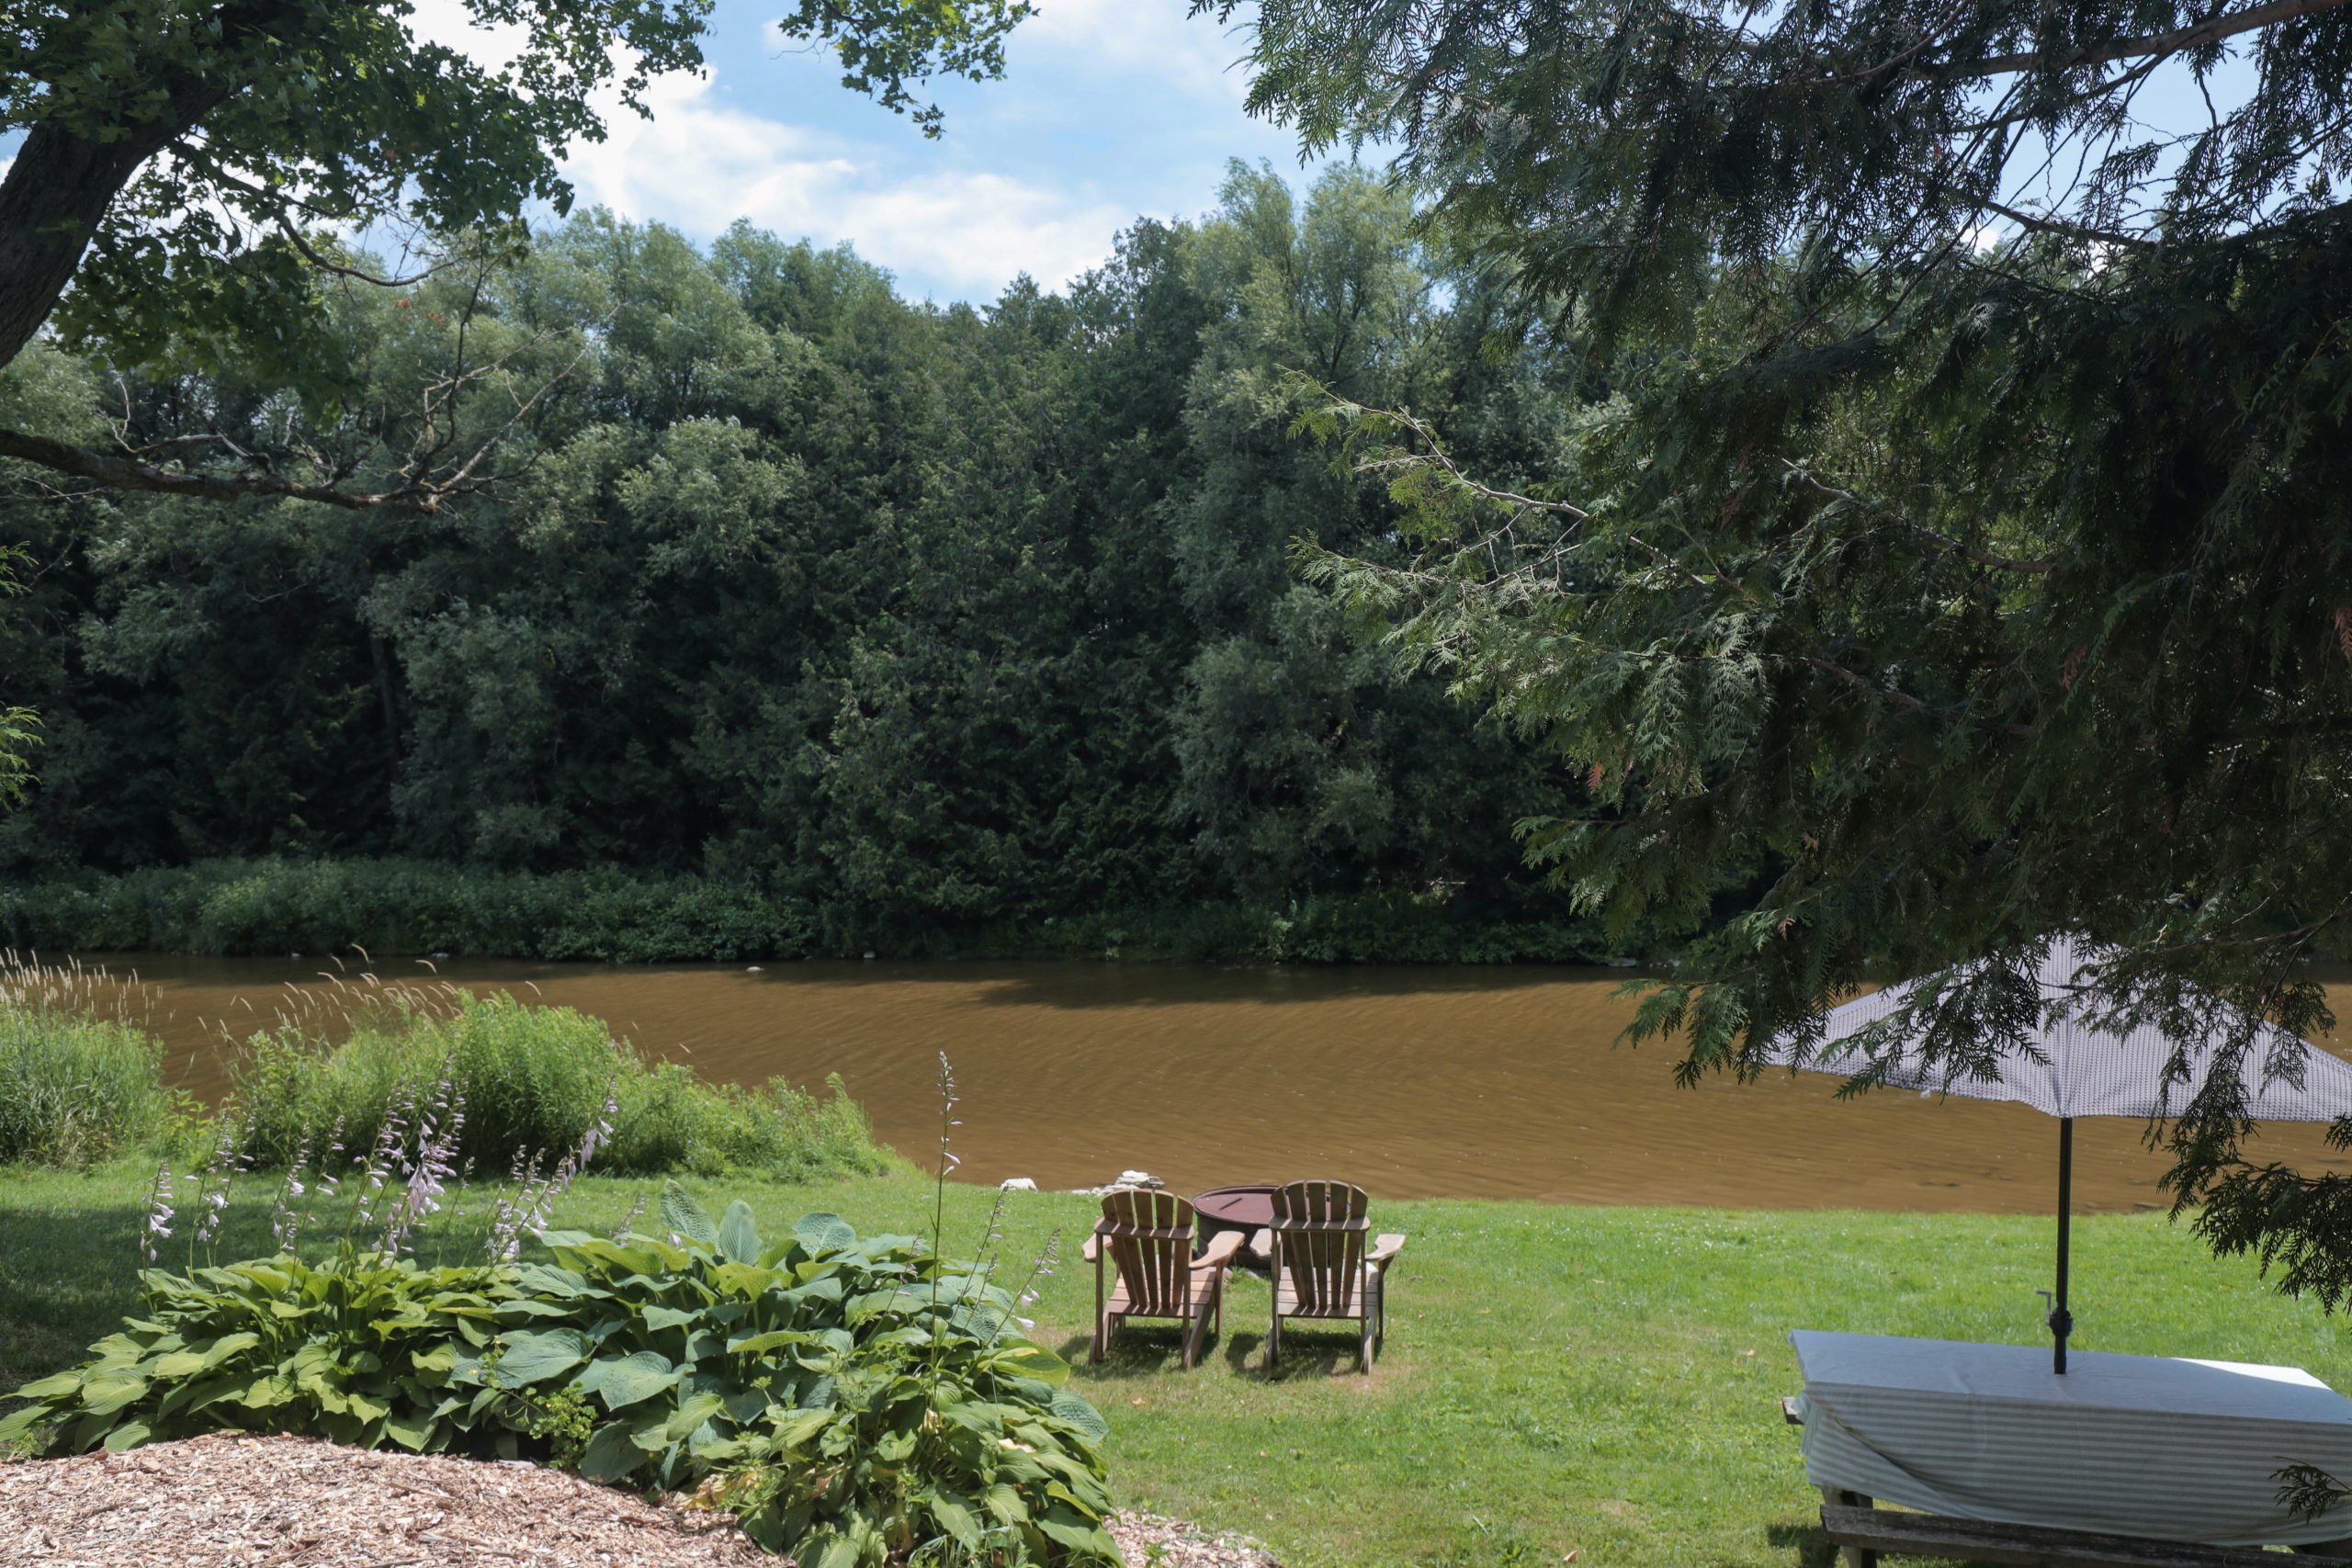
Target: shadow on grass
x=67, y=1277
x=1809, y=1544
x=1153, y=1350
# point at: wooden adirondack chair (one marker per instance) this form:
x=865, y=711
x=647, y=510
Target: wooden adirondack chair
x=1322, y=1268
x=1146, y=1238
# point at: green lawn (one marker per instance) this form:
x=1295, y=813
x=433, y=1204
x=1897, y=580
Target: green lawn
x=1598, y=1381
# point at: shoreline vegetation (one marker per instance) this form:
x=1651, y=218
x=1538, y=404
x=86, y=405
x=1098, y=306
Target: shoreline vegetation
x=77, y=1088
x=1556, y=1379
x=243, y=908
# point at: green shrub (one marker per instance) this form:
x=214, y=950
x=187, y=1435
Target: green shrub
x=404, y=906
x=535, y=1081
x=75, y=1089
x=855, y=1402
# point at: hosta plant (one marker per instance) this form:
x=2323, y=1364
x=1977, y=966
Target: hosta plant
x=857, y=1402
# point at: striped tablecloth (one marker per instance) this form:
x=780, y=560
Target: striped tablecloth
x=2127, y=1445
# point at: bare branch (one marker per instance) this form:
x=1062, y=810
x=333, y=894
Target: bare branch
x=2211, y=30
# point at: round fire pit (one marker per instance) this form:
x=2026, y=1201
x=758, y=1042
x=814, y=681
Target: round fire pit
x=1247, y=1209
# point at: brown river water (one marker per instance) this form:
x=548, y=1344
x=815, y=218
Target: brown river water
x=1414, y=1082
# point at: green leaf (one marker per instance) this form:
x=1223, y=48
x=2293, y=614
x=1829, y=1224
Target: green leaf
x=821, y=1233
x=624, y=1380
x=109, y=1392
x=535, y=1355
x=957, y=1518
x=689, y=1218
x=610, y=1454
x=411, y=1429
x=49, y=1387
x=739, y=1234
x=1024, y=1360
x=1080, y=1414
x=20, y=1424
x=129, y=1435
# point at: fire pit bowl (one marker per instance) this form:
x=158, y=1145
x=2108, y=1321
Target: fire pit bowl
x=1248, y=1208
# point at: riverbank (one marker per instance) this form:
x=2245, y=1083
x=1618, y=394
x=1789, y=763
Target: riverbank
x=1558, y=1378
x=417, y=907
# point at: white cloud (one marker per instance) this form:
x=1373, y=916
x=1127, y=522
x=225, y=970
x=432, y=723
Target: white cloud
x=450, y=24
x=699, y=165
x=1155, y=37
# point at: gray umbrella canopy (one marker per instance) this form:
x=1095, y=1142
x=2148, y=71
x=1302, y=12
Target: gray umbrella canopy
x=2064, y=1066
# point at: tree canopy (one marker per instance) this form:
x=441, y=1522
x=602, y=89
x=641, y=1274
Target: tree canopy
x=192, y=175
x=1963, y=554
x=934, y=623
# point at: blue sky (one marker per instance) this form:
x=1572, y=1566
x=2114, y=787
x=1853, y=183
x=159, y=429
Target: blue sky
x=1109, y=109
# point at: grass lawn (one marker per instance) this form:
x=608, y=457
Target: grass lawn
x=1558, y=1379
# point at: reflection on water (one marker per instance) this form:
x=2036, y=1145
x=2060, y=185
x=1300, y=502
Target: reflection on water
x=1457, y=1082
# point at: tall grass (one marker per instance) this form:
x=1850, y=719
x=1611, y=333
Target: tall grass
x=534, y=1080
x=76, y=1089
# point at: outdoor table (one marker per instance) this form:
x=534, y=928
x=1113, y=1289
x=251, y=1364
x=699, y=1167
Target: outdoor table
x=2125, y=1444
x=1248, y=1209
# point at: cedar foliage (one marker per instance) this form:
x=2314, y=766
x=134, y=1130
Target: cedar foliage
x=1950, y=567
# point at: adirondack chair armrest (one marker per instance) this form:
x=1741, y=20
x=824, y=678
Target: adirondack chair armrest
x=1091, y=1247
x=1262, y=1243
x=1220, y=1251
x=1384, y=1249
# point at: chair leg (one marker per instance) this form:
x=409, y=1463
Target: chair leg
x=1102, y=1317
x=1192, y=1335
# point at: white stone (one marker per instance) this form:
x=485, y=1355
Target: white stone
x=1138, y=1178
x=1017, y=1184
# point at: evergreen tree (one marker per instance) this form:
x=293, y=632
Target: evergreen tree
x=1961, y=555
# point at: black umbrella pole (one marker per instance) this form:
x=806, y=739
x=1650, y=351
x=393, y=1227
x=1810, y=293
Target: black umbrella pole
x=2062, y=1322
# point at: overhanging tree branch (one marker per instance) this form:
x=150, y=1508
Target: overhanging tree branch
x=2211, y=30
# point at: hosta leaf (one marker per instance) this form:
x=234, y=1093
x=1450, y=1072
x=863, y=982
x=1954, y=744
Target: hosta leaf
x=824, y=1233
x=1005, y=1504
x=409, y=1430
x=691, y=1415
x=795, y=1430
x=955, y=1518
x=1066, y=1527
x=752, y=1344
x=20, y=1424
x=689, y=1218
x=610, y=1454
x=49, y=1387
x=739, y=1234
x=748, y=1280
x=624, y=1380
x=129, y=1435
x=1080, y=1414
x=660, y=1317
x=1028, y=1361
x=105, y=1394
x=535, y=1355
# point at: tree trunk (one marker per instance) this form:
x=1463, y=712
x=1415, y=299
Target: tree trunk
x=58, y=188
x=64, y=180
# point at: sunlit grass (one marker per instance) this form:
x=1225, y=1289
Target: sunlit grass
x=1600, y=1381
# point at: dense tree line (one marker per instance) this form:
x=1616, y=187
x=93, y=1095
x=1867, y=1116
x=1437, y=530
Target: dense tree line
x=929, y=619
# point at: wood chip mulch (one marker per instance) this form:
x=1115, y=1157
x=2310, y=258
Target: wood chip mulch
x=225, y=1501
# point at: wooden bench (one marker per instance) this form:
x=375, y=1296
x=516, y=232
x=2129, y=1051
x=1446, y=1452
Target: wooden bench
x=1862, y=1532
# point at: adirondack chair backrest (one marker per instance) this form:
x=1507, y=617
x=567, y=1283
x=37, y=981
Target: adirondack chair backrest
x=1320, y=1229
x=1149, y=1235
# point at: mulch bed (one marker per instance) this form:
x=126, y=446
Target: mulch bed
x=224, y=1500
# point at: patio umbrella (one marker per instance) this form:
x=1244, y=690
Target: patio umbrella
x=2066, y=1069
